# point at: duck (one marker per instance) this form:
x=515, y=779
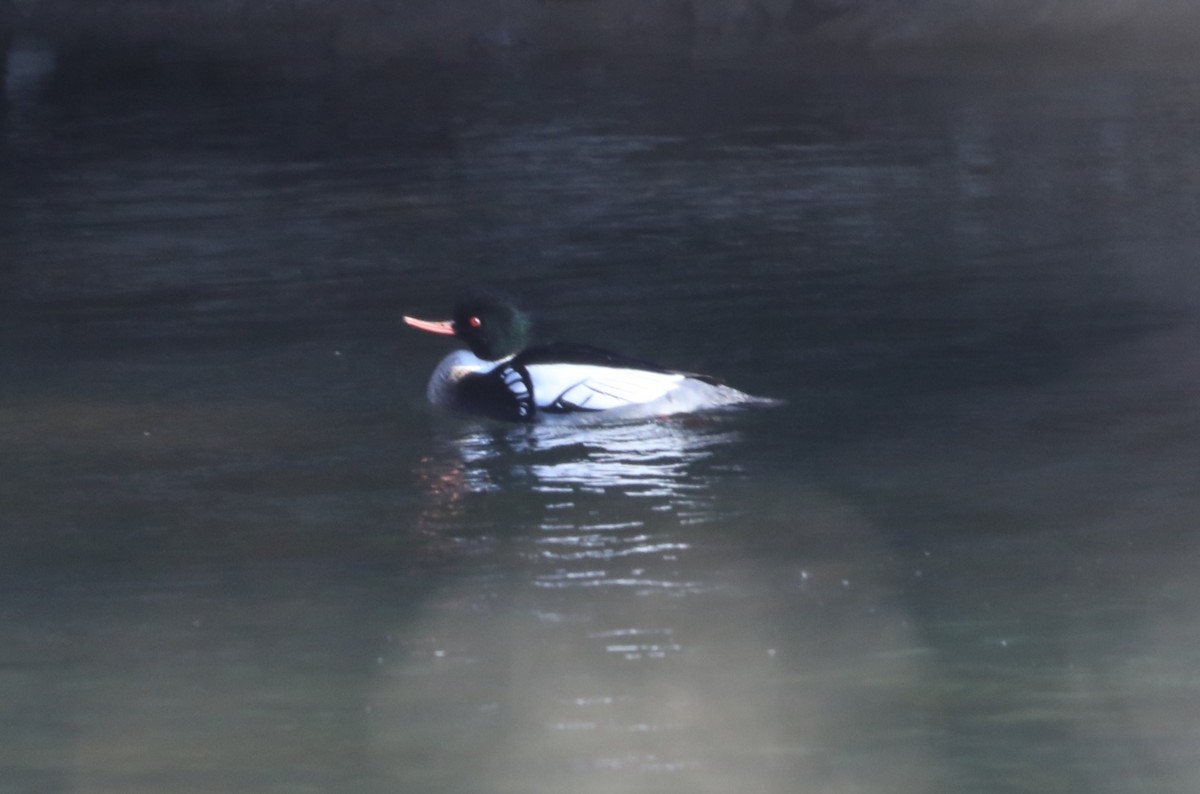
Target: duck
x=499, y=376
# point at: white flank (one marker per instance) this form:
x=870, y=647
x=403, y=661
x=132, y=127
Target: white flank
x=596, y=388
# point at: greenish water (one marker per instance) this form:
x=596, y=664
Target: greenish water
x=239, y=552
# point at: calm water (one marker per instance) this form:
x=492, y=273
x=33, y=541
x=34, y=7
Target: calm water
x=238, y=552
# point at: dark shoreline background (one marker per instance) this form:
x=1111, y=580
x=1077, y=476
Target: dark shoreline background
x=784, y=32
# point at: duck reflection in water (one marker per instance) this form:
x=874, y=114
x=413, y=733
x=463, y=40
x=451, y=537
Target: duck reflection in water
x=644, y=459
x=566, y=644
x=600, y=626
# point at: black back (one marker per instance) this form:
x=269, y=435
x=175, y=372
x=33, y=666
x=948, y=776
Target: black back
x=566, y=353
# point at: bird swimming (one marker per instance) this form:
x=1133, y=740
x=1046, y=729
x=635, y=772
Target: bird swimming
x=500, y=377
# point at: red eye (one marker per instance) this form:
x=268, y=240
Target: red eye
x=474, y=322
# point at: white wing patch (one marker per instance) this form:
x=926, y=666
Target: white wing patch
x=594, y=388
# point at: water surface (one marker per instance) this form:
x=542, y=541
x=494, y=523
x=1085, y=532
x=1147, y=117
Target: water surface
x=240, y=553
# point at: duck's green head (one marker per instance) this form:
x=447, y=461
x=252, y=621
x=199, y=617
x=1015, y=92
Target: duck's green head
x=492, y=328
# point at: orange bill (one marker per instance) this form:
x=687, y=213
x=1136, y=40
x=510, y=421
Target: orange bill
x=443, y=327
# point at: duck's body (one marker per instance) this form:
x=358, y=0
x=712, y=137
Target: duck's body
x=500, y=379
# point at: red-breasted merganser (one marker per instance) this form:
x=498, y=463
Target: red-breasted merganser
x=501, y=378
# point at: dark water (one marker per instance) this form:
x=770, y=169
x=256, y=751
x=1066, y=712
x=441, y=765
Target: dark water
x=240, y=553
